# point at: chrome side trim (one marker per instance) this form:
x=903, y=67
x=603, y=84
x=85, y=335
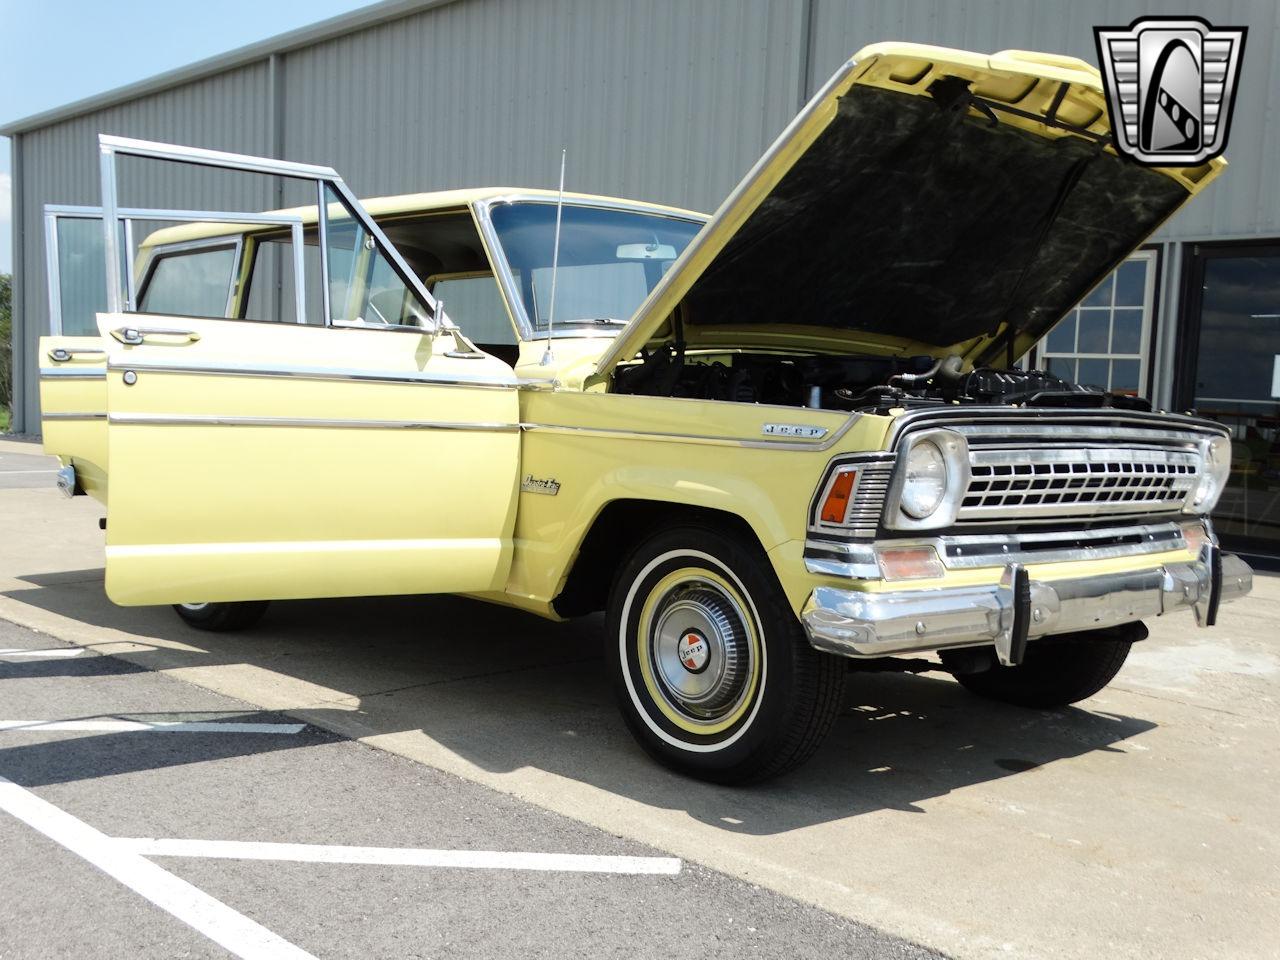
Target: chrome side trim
x=526, y=383
x=315, y=373
x=73, y=416
x=179, y=419
x=853, y=561
x=810, y=446
x=70, y=373
x=856, y=623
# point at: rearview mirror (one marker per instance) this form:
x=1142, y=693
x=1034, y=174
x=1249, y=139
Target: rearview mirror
x=646, y=251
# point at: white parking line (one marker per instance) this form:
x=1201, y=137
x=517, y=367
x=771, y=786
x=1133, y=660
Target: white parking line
x=213, y=918
x=150, y=726
x=49, y=652
x=399, y=856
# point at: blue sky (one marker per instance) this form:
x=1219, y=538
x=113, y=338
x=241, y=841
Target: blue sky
x=59, y=51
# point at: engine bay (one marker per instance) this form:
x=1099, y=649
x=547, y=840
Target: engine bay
x=855, y=383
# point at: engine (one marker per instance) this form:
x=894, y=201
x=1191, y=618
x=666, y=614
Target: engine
x=866, y=384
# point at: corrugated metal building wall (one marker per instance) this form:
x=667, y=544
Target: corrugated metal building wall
x=667, y=100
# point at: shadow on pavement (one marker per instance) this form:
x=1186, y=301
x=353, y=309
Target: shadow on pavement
x=17, y=669
x=67, y=757
x=507, y=690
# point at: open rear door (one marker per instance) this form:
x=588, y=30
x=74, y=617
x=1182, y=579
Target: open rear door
x=73, y=361
x=372, y=451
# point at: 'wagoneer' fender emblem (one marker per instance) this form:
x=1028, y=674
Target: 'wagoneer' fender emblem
x=793, y=430
x=531, y=484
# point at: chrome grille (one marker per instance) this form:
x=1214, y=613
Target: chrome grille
x=1032, y=482
x=1029, y=467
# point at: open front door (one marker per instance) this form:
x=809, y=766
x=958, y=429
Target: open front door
x=373, y=452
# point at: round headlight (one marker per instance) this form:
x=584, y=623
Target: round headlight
x=926, y=480
x=1213, y=478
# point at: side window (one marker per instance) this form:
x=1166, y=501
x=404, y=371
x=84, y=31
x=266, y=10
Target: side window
x=389, y=299
x=193, y=283
x=76, y=272
x=270, y=294
x=474, y=302
x=364, y=288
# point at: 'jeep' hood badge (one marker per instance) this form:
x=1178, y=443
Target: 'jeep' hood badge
x=793, y=430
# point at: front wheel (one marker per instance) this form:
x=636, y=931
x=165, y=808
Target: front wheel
x=713, y=672
x=1057, y=671
x=222, y=617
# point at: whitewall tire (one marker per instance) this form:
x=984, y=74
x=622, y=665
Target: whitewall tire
x=714, y=675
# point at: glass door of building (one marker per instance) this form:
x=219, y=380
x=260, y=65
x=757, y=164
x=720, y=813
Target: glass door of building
x=1230, y=372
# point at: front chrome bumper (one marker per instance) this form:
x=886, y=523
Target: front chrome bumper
x=863, y=624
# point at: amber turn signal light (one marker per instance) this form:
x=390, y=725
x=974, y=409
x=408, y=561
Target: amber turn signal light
x=910, y=563
x=1195, y=536
x=836, y=507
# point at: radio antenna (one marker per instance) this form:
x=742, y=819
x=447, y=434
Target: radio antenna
x=555, y=264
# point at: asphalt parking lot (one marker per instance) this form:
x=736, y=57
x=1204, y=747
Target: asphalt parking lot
x=1141, y=824
x=224, y=828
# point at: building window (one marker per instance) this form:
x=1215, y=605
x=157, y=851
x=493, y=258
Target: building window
x=1105, y=340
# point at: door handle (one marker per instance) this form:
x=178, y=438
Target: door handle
x=62, y=354
x=134, y=336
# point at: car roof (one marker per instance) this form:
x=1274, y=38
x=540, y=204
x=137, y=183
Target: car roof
x=410, y=203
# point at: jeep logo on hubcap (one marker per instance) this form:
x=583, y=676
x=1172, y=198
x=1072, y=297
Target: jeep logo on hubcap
x=694, y=652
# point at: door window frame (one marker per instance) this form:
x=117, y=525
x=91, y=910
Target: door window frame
x=324, y=178
x=128, y=216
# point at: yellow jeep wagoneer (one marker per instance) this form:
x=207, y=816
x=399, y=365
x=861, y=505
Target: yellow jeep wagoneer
x=767, y=444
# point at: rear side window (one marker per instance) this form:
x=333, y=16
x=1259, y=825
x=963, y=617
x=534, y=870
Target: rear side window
x=191, y=283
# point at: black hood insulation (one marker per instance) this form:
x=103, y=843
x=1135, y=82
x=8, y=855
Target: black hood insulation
x=909, y=217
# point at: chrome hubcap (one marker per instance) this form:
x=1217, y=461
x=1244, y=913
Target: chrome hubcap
x=193, y=607
x=701, y=650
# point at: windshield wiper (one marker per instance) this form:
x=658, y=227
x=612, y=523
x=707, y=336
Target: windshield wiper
x=599, y=321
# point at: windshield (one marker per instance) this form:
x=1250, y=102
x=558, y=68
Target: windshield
x=609, y=260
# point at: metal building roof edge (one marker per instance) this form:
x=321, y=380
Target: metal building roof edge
x=369, y=16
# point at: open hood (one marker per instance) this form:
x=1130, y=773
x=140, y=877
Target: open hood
x=925, y=201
